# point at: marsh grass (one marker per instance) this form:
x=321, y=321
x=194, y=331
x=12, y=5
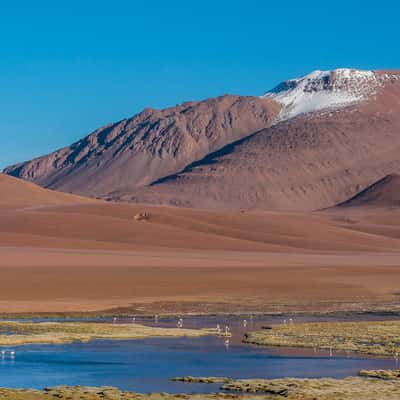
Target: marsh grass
x=108, y=393
x=375, y=338
x=352, y=388
x=18, y=333
x=385, y=374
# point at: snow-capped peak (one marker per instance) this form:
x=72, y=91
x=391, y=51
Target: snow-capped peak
x=322, y=90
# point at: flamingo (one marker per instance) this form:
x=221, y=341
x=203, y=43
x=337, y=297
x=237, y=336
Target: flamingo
x=226, y=342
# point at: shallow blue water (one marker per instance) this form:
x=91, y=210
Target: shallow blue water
x=146, y=365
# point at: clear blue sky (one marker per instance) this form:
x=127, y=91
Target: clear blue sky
x=68, y=67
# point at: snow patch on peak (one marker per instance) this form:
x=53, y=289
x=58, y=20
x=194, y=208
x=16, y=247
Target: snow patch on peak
x=321, y=90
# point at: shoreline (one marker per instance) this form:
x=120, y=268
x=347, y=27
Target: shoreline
x=389, y=310
x=382, y=385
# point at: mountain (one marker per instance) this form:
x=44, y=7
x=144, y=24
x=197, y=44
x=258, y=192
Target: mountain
x=310, y=143
x=383, y=193
x=309, y=158
x=16, y=193
x=154, y=143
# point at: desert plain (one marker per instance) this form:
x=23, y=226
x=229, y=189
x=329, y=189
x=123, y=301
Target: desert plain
x=65, y=253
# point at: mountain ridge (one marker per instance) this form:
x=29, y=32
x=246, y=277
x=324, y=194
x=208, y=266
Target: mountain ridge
x=147, y=146
x=385, y=192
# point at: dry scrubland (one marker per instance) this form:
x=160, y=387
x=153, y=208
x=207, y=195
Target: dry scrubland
x=18, y=333
x=377, y=338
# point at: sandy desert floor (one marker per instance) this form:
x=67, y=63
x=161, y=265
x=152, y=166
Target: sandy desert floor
x=72, y=255
x=63, y=253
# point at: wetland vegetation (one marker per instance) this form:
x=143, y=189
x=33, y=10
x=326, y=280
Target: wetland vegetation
x=368, y=337
x=18, y=333
x=371, y=337
x=108, y=393
x=352, y=388
x=370, y=385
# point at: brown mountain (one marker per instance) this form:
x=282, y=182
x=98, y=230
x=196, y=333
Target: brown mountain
x=337, y=132
x=152, y=144
x=383, y=193
x=309, y=161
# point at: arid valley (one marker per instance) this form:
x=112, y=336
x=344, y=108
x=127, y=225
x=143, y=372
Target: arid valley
x=99, y=264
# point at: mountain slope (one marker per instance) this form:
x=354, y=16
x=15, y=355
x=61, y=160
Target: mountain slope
x=152, y=144
x=18, y=193
x=383, y=193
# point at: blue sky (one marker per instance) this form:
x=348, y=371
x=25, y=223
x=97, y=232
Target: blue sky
x=68, y=67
